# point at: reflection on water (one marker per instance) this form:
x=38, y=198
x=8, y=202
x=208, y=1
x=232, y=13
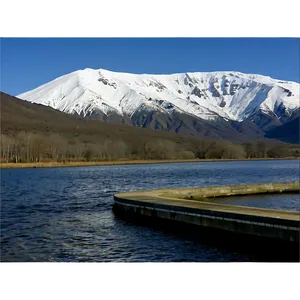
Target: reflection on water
x=65, y=214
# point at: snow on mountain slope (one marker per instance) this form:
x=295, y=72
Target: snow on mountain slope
x=207, y=95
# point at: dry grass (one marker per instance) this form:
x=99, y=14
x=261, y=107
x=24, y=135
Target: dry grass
x=90, y=163
x=120, y=162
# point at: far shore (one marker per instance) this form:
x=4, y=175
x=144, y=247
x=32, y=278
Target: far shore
x=122, y=162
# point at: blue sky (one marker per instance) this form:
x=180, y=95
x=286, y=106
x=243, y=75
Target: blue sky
x=27, y=63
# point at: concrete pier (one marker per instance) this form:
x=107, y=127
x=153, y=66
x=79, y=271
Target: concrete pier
x=191, y=206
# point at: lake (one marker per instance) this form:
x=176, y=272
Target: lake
x=65, y=214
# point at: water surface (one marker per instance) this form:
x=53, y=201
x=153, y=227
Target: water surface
x=65, y=214
x=286, y=201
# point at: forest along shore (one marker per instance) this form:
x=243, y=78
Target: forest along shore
x=121, y=162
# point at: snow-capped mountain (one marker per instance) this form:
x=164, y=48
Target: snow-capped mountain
x=233, y=96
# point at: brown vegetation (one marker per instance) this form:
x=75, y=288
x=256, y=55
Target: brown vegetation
x=116, y=162
x=53, y=147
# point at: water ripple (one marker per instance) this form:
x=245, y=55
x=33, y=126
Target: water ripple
x=65, y=214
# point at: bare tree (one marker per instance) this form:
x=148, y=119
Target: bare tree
x=277, y=151
x=261, y=149
x=234, y=151
x=203, y=147
x=187, y=155
x=159, y=149
x=249, y=150
x=6, y=147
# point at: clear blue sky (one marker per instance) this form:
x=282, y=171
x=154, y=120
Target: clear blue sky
x=27, y=63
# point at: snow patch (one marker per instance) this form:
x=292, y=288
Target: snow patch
x=207, y=95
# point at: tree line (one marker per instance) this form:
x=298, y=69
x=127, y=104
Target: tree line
x=37, y=147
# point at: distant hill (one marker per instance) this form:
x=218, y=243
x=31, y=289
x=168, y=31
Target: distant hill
x=34, y=132
x=18, y=115
x=288, y=132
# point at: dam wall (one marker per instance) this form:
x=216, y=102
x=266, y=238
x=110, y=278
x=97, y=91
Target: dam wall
x=190, y=206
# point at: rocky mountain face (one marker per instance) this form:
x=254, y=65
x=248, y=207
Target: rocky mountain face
x=228, y=105
x=289, y=132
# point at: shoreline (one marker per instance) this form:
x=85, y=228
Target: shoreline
x=123, y=162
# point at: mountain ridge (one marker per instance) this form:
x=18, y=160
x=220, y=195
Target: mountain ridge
x=202, y=96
